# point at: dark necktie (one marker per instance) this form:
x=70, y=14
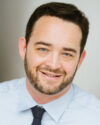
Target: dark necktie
x=37, y=113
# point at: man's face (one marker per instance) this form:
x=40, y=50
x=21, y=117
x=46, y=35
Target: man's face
x=52, y=55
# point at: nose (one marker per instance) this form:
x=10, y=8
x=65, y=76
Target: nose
x=53, y=61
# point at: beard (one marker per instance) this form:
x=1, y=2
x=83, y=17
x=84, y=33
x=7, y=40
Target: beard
x=35, y=81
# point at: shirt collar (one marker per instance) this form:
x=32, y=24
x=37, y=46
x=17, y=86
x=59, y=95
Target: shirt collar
x=57, y=107
x=25, y=100
x=54, y=108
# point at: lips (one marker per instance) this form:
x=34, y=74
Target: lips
x=51, y=75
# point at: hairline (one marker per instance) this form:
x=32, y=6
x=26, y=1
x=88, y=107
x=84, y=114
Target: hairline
x=66, y=20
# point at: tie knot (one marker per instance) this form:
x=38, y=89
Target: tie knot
x=37, y=112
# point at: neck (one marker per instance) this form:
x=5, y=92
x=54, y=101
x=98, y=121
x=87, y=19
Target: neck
x=41, y=98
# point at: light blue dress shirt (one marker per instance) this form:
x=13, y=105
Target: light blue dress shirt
x=76, y=107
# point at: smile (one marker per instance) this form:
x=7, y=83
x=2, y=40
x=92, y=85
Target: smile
x=51, y=75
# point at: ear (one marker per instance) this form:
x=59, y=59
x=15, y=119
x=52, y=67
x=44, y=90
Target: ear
x=22, y=47
x=82, y=58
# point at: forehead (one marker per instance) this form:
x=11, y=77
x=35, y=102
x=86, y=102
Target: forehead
x=56, y=31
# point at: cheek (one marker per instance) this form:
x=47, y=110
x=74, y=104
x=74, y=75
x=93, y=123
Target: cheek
x=34, y=60
x=69, y=67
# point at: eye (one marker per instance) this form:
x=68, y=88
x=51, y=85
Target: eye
x=67, y=54
x=42, y=49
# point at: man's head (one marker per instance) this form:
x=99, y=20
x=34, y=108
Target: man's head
x=67, y=12
x=53, y=46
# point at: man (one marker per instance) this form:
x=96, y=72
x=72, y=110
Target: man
x=52, y=51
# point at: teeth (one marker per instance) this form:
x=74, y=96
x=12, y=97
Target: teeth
x=50, y=75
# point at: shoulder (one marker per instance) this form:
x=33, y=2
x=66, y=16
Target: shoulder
x=9, y=90
x=84, y=108
x=85, y=100
x=9, y=98
x=11, y=85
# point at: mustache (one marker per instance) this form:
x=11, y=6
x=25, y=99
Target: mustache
x=51, y=70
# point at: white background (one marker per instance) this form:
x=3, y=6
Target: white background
x=14, y=15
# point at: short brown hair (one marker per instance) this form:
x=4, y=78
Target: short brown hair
x=64, y=11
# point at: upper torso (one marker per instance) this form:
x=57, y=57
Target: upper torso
x=76, y=107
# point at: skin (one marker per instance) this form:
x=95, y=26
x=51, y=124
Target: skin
x=52, y=56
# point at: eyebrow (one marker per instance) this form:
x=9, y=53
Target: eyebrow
x=42, y=43
x=70, y=49
x=48, y=44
